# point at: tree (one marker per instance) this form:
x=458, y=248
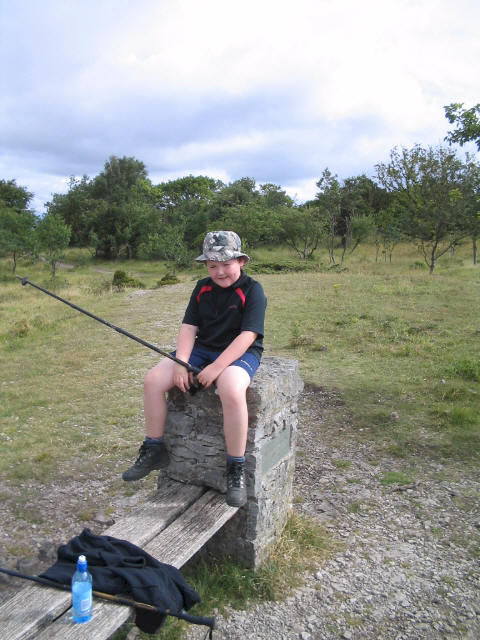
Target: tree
x=360, y=198
x=467, y=123
x=255, y=224
x=53, y=237
x=329, y=200
x=186, y=202
x=388, y=231
x=470, y=200
x=172, y=247
x=186, y=189
x=77, y=208
x=238, y=193
x=17, y=233
x=302, y=229
x=17, y=222
x=425, y=184
x=360, y=228
x=13, y=196
x=124, y=200
x=274, y=196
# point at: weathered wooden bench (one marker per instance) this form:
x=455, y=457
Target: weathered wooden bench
x=183, y=518
x=172, y=528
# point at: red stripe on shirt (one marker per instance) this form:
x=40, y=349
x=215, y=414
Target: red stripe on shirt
x=204, y=289
x=240, y=293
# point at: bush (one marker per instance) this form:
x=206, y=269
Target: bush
x=121, y=280
x=168, y=278
x=284, y=266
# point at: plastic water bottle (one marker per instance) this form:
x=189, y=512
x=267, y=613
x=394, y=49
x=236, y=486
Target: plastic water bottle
x=81, y=592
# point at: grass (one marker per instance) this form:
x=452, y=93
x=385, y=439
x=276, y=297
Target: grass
x=389, y=338
x=341, y=464
x=393, y=340
x=69, y=384
x=395, y=477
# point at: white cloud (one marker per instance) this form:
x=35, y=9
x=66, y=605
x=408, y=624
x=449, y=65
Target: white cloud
x=271, y=89
x=194, y=151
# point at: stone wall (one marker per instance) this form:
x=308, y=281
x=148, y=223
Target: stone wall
x=194, y=436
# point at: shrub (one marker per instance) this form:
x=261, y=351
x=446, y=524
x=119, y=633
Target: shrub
x=284, y=266
x=168, y=278
x=297, y=338
x=121, y=280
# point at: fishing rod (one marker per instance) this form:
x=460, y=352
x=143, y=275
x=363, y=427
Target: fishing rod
x=182, y=615
x=195, y=370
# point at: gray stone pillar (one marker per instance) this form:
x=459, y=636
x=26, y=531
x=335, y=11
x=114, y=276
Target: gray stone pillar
x=194, y=436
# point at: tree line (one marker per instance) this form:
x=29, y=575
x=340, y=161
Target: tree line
x=427, y=195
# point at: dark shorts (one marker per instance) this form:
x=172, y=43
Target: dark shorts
x=201, y=358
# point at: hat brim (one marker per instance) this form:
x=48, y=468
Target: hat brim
x=220, y=257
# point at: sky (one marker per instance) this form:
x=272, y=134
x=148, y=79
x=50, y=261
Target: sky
x=268, y=89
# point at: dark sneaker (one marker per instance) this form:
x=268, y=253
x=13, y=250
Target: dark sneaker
x=150, y=457
x=236, y=484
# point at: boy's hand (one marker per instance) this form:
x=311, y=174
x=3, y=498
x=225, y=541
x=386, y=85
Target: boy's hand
x=207, y=376
x=182, y=378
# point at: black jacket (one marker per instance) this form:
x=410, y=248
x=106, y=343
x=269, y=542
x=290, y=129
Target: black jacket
x=119, y=567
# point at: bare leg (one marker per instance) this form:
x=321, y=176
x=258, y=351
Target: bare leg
x=153, y=456
x=232, y=385
x=157, y=382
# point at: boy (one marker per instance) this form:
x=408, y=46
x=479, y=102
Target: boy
x=222, y=333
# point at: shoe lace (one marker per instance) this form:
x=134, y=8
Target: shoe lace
x=142, y=452
x=235, y=475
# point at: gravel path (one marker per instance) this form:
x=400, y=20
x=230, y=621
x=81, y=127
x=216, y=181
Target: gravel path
x=407, y=566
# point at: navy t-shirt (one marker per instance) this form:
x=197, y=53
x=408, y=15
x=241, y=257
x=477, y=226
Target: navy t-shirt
x=221, y=314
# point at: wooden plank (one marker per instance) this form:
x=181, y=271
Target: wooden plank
x=106, y=619
x=187, y=534
x=144, y=522
x=174, y=545
x=29, y=609
x=35, y=606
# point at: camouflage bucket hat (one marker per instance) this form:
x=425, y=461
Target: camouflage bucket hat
x=221, y=246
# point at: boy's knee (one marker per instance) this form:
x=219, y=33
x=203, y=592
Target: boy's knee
x=236, y=394
x=157, y=377
x=233, y=386
x=150, y=380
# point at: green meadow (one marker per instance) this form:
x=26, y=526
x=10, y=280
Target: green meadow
x=400, y=346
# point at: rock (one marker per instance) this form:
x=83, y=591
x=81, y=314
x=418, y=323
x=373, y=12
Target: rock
x=101, y=518
x=4, y=578
x=28, y=566
x=47, y=552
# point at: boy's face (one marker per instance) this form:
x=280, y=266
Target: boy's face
x=226, y=273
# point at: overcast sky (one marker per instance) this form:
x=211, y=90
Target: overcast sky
x=269, y=89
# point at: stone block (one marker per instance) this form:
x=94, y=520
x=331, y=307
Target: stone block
x=194, y=436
